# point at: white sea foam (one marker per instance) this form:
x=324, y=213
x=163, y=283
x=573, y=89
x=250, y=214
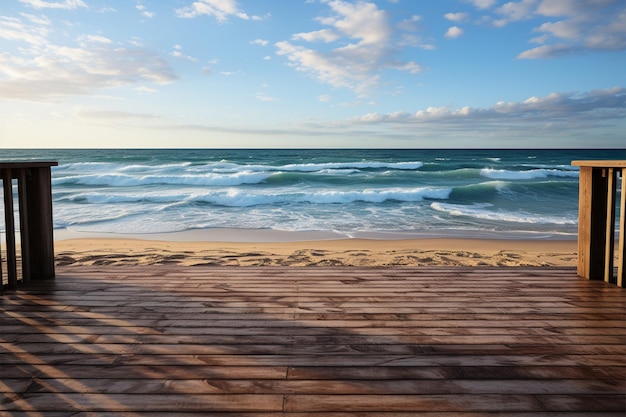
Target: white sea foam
x=503, y=174
x=112, y=198
x=233, y=197
x=310, y=167
x=218, y=173
x=482, y=211
x=124, y=180
x=238, y=198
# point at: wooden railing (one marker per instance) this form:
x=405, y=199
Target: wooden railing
x=34, y=187
x=596, y=220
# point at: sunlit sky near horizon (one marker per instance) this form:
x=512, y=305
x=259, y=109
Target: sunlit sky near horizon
x=313, y=73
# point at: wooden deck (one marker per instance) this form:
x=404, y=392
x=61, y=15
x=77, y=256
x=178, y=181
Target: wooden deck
x=171, y=341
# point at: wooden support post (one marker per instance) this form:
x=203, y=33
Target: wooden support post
x=591, y=223
x=596, y=220
x=39, y=212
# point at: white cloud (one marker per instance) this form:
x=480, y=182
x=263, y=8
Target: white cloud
x=145, y=89
x=50, y=72
x=14, y=29
x=573, y=26
x=144, y=10
x=586, y=26
x=261, y=42
x=482, y=4
x=112, y=114
x=549, y=51
x=221, y=10
x=410, y=38
x=324, y=98
x=95, y=39
x=515, y=11
x=410, y=24
x=61, y=72
x=364, y=47
x=265, y=97
x=539, y=39
x=559, y=108
x=454, y=32
x=38, y=20
x=561, y=29
x=456, y=17
x=178, y=53
x=410, y=67
x=67, y=4
x=572, y=8
x=324, y=35
x=362, y=21
x=326, y=68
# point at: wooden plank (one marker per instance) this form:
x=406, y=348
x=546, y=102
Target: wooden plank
x=617, y=163
x=29, y=164
x=494, y=403
x=140, y=403
x=584, y=221
x=313, y=341
x=166, y=386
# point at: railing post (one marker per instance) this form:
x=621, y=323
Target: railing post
x=596, y=220
x=40, y=228
x=34, y=185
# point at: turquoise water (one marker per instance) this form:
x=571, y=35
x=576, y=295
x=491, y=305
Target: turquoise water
x=370, y=193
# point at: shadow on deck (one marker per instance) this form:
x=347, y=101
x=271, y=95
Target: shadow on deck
x=166, y=340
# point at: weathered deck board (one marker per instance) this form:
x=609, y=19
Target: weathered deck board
x=165, y=340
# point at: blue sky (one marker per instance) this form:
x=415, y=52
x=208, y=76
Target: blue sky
x=313, y=73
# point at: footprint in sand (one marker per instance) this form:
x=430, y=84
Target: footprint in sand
x=64, y=260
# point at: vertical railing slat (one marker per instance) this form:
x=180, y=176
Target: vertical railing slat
x=24, y=226
x=9, y=223
x=621, y=252
x=609, y=241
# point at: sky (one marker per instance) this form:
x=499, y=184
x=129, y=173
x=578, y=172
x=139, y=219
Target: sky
x=312, y=74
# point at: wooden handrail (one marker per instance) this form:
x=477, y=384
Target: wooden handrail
x=596, y=220
x=34, y=185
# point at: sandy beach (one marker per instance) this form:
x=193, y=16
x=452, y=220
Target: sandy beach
x=335, y=252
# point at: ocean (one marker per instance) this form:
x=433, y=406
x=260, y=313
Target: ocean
x=375, y=193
